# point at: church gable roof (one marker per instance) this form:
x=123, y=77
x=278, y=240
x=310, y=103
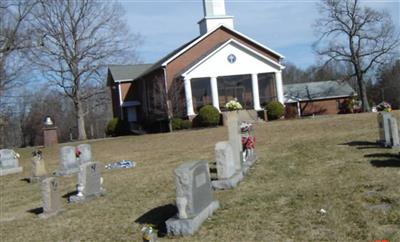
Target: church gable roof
x=232, y=31
x=247, y=57
x=175, y=54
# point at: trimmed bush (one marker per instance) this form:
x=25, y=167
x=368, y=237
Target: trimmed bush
x=209, y=116
x=275, y=110
x=116, y=127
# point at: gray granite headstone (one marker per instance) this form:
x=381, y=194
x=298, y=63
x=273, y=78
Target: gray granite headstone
x=8, y=162
x=235, y=138
x=228, y=176
x=85, y=153
x=384, y=128
x=68, y=162
x=89, y=182
x=50, y=197
x=224, y=159
x=194, y=198
x=394, y=132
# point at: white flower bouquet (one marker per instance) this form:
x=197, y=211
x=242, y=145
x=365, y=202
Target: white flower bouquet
x=233, y=105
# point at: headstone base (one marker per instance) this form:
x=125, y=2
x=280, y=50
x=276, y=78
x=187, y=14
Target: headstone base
x=249, y=163
x=177, y=226
x=36, y=179
x=68, y=172
x=228, y=183
x=7, y=171
x=383, y=143
x=80, y=199
x=48, y=215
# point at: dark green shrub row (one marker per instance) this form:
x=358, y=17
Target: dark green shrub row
x=178, y=124
x=117, y=127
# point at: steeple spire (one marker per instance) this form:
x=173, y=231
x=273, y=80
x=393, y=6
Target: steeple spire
x=214, y=15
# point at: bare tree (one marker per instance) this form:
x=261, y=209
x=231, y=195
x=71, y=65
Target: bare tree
x=80, y=39
x=355, y=34
x=15, y=36
x=166, y=101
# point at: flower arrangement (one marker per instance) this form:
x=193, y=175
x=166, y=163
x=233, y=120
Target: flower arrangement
x=384, y=106
x=233, y=105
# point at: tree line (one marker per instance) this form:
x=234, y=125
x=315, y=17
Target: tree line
x=53, y=60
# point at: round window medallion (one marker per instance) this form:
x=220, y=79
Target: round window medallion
x=231, y=58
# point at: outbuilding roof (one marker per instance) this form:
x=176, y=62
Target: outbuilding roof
x=317, y=90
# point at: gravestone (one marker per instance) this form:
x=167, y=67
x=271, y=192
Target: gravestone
x=394, y=133
x=68, y=162
x=384, y=128
x=38, y=167
x=9, y=162
x=235, y=138
x=50, y=198
x=227, y=175
x=85, y=155
x=194, y=198
x=89, y=182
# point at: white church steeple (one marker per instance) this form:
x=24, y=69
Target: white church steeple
x=214, y=15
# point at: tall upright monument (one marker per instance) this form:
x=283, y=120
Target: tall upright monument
x=214, y=16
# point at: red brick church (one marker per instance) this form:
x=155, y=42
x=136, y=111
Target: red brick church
x=217, y=66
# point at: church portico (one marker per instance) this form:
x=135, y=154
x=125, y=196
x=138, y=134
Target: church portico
x=217, y=91
x=232, y=71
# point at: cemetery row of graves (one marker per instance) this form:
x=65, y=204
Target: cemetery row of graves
x=195, y=180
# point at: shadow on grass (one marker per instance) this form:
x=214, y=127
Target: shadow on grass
x=36, y=211
x=67, y=195
x=392, y=160
x=27, y=180
x=386, y=163
x=363, y=144
x=157, y=217
x=383, y=155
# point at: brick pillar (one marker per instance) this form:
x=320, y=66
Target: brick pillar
x=50, y=136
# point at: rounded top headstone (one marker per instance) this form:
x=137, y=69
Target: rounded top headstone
x=67, y=154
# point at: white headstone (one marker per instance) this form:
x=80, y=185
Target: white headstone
x=224, y=159
x=235, y=138
x=8, y=162
x=89, y=182
x=85, y=153
x=68, y=162
x=394, y=132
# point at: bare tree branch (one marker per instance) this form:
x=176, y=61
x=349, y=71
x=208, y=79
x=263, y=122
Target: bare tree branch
x=81, y=38
x=358, y=35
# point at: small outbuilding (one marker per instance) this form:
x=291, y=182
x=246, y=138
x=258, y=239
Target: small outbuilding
x=317, y=98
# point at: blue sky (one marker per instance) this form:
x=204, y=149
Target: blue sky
x=283, y=25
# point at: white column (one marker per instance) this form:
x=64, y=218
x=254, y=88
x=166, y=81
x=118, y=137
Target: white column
x=214, y=92
x=279, y=86
x=256, y=95
x=188, y=95
x=298, y=109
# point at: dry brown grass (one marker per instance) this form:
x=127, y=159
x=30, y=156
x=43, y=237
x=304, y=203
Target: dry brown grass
x=304, y=165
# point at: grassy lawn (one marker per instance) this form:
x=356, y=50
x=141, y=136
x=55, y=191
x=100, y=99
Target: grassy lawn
x=329, y=163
